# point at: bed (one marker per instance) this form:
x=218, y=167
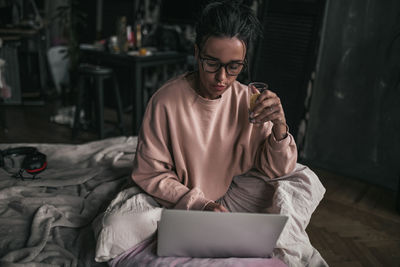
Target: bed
x=84, y=210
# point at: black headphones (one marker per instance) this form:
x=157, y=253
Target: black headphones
x=33, y=162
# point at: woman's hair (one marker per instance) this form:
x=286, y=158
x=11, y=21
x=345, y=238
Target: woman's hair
x=227, y=18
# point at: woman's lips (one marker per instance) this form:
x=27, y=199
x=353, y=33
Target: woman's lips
x=219, y=87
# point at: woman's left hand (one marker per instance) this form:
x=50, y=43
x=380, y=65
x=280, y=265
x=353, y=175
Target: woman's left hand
x=269, y=108
x=212, y=206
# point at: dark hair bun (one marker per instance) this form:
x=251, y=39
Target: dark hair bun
x=227, y=19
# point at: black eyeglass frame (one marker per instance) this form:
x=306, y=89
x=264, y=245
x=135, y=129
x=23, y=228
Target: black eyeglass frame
x=244, y=65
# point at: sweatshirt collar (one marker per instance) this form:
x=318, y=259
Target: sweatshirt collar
x=202, y=100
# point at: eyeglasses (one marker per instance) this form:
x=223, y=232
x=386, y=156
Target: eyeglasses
x=212, y=66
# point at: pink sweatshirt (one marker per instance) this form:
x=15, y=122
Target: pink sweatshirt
x=190, y=148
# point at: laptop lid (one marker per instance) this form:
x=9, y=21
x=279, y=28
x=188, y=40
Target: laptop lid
x=183, y=233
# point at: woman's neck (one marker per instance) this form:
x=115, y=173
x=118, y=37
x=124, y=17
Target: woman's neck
x=197, y=86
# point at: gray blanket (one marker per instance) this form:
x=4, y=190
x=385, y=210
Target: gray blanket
x=47, y=222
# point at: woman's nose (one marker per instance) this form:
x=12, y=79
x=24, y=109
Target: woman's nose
x=221, y=74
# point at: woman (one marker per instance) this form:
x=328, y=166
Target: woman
x=196, y=135
x=197, y=149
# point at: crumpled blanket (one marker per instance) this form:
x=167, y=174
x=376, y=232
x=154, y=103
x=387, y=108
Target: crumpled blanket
x=296, y=195
x=47, y=221
x=126, y=231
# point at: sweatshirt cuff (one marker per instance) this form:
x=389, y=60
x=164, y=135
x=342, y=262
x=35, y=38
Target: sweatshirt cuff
x=281, y=144
x=193, y=200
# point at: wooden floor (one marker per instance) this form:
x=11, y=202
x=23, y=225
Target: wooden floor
x=356, y=224
x=33, y=124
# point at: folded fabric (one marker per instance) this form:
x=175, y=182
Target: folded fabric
x=130, y=218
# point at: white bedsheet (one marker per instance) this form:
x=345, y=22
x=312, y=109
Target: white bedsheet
x=131, y=219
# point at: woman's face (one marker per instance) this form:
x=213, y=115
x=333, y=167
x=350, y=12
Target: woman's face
x=218, y=50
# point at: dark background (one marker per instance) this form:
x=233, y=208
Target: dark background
x=346, y=117
x=355, y=108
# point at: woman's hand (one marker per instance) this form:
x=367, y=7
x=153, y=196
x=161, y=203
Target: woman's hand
x=268, y=107
x=212, y=206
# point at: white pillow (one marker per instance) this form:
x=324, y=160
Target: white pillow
x=130, y=218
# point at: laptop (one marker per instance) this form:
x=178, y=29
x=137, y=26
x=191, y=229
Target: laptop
x=207, y=234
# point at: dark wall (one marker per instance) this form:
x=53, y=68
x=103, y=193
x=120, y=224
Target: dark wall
x=286, y=54
x=112, y=10
x=87, y=33
x=355, y=107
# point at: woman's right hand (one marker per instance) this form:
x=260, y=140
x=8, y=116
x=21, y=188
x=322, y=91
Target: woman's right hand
x=212, y=206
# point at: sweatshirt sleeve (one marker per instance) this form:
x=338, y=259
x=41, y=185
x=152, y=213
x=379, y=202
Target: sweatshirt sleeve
x=153, y=168
x=276, y=158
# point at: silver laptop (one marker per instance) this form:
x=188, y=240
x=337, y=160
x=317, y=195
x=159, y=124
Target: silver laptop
x=200, y=234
